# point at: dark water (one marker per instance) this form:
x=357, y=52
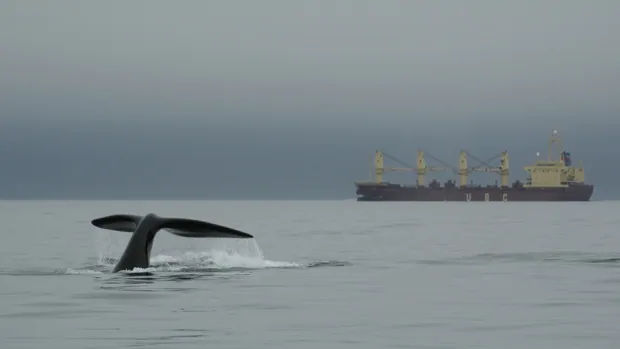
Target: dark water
x=320, y=274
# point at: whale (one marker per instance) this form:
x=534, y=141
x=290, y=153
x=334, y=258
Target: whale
x=144, y=228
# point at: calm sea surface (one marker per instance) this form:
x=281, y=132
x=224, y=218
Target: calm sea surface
x=320, y=274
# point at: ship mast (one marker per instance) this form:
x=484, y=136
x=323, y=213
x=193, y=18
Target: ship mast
x=553, y=139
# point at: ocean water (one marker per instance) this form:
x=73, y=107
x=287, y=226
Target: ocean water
x=319, y=274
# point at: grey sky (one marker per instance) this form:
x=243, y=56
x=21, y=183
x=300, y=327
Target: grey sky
x=299, y=86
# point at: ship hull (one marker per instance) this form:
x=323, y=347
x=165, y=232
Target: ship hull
x=395, y=192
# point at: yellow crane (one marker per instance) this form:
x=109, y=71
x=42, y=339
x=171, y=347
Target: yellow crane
x=503, y=169
x=421, y=169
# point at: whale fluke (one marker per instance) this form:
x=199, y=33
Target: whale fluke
x=185, y=227
x=118, y=222
x=144, y=228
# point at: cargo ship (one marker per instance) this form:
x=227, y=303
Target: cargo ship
x=547, y=180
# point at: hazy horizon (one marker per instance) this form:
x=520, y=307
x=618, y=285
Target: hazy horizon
x=290, y=99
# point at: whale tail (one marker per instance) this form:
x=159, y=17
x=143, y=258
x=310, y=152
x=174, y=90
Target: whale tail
x=185, y=227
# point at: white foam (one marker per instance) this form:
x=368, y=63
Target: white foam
x=220, y=259
x=227, y=254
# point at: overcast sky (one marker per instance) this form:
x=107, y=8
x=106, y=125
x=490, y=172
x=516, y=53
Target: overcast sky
x=282, y=99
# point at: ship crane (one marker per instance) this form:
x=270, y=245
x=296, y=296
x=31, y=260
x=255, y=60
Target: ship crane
x=503, y=169
x=421, y=169
x=380, y=168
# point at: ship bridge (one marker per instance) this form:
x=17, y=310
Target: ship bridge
x=554, y=173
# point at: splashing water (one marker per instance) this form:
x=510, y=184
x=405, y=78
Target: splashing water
x=223, y=255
